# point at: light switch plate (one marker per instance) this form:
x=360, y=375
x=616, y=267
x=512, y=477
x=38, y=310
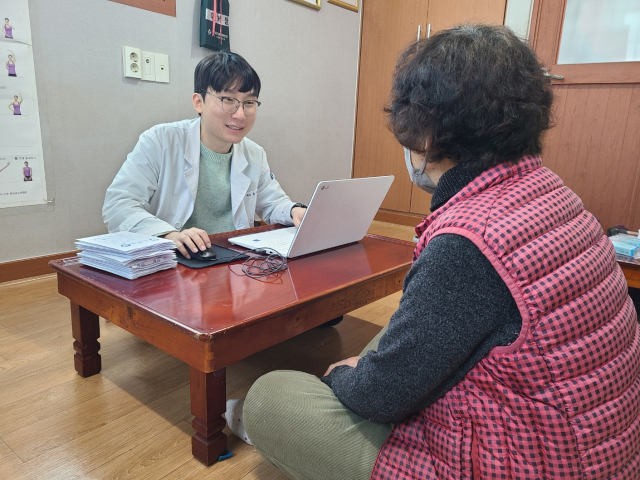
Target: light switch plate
x=162, y=68
x=131, y=61
x=148, y=66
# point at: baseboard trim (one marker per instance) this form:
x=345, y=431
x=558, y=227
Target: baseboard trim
x=30, y=267
x=399, y=218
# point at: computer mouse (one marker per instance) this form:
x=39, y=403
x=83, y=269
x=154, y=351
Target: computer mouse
x=205, y=255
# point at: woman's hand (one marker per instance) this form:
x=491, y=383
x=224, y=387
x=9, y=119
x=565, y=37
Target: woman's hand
x=351, y=361
x=192, y=239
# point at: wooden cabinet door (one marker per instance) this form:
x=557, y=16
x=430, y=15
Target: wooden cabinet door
x=387, y=27
x=445, y=14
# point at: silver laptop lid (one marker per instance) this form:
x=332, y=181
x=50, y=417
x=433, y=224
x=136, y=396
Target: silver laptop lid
x=340, y=212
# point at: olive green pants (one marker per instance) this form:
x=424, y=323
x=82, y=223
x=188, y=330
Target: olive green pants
x=297, y=424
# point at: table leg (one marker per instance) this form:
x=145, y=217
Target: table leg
x=208, y=403
x=86, y=331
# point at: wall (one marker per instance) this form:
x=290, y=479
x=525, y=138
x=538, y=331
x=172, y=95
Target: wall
x=91, y=116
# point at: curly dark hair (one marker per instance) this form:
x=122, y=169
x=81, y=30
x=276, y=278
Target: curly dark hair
x=476, y=94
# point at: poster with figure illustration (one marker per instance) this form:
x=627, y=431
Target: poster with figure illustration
x=22, y=180
x=14, y=21
x=16, y=61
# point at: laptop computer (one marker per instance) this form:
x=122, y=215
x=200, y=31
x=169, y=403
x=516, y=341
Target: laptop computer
x=340, y=212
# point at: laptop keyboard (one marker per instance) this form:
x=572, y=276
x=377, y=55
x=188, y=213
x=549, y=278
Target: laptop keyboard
x=280, y=245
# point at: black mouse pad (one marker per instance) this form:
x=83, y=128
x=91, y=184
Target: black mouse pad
x=223, y=255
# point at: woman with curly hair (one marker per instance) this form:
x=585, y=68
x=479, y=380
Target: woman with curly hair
x=515, y=351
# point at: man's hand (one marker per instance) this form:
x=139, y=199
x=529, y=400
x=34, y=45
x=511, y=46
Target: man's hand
x=296, y=214
x=193, y=239
x=352, y=362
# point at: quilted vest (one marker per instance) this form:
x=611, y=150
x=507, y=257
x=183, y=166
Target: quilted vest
x=562, y=401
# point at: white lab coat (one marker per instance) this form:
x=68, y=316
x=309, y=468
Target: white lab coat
x=155, y=190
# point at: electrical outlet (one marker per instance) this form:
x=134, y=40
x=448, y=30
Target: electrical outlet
x=162, y=68
x=148, y=66
x=131, y=58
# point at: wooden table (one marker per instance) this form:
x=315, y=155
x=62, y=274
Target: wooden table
x=213, y=317
x=631, y=270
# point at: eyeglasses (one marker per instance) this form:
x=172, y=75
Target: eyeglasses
x=231, y=105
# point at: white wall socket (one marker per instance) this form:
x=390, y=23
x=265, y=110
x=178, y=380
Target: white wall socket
x=148, y=66
x=162, y=68
x=131, y=58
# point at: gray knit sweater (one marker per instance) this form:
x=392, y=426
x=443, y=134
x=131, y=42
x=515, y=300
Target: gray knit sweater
x=454, y=309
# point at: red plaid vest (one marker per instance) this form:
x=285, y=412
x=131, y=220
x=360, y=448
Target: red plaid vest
x=563, y=401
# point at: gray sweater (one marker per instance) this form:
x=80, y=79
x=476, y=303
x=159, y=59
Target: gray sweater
x=454, y=309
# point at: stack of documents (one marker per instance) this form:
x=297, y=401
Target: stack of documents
x=628, y=245
x=130, y=255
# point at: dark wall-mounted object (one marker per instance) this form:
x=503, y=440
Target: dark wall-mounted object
x=214, y=36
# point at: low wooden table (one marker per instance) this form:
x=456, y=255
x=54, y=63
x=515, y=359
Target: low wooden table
x=631, y=270
x=213, y=317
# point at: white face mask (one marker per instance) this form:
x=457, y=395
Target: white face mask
x=418, y=177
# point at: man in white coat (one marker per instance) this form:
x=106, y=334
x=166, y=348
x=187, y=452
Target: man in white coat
x=187, y=179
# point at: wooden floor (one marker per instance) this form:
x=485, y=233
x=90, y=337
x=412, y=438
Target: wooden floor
x=133, y=420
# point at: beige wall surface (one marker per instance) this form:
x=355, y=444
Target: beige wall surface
x=91, y=116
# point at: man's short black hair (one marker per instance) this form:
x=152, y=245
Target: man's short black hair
x=475, y=93
x=224, y=71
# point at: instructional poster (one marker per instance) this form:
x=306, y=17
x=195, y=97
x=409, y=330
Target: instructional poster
x=22, y=179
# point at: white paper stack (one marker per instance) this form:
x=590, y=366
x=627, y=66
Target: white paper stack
x=130, y=255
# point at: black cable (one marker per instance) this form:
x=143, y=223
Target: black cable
x=270, y=263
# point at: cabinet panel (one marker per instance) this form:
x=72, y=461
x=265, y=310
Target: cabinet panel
x=387, y=28
x=420, y=201
x=445, y=14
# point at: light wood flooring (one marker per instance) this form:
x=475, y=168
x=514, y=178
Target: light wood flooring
x=133, y=420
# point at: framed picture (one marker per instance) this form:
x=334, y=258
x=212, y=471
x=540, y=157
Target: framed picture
x=348, y=4
x=166, y=7
x=309, y=3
